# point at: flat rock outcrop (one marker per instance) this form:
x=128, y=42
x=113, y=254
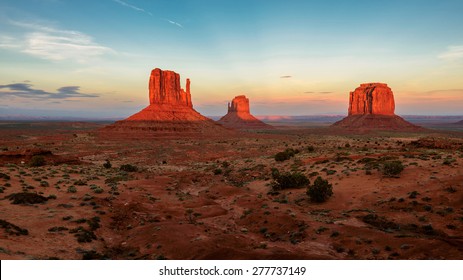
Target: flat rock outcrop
x=371, y=107
x=239, y=116
x=170, y=110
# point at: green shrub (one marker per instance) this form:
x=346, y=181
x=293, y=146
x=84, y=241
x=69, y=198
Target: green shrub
x=392, y=168
x=282, y=156
x=72, y=189
x=217, y=171
x=128, y=168
x=288, y=180
x=37, y=161
x=320, y=191
x=287, y=154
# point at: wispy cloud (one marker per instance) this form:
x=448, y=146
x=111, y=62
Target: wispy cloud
x=54, y=44
x=133, y=7
x=174, y=23
x=285, y=77
x=26, y=90
x=138, y=9
x=452, y=53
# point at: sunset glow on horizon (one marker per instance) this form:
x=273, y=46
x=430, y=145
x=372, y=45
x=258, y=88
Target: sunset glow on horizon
x=93, y=58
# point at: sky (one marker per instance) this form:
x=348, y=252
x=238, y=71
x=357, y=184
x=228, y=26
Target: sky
x=93, y=58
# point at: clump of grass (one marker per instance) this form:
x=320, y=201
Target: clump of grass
x=72, y=189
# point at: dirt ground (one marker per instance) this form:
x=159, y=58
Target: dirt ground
x=101, y=196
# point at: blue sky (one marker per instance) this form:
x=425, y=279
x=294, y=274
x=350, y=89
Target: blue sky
x=93, y=58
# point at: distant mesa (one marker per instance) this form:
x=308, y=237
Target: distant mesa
x=170, y=109
x=371, y=107
x=239, y=116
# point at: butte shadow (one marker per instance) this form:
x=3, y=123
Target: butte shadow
x=170, y=111
x=371, y=107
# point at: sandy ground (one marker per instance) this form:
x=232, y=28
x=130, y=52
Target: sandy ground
x=210, y=198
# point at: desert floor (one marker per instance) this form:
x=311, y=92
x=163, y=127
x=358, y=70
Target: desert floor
x=211, y=198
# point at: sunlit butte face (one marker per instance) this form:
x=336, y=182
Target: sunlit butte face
x=94, y=58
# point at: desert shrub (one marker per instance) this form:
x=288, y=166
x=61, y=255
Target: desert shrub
x=4, y=176
x=98, y=190
x=288, y=180
x=80, y=183
x=282, y=156
x=107, y=164
x=392, y=168
x=128, y=168
x=287, y=154
x=310, y=149
x=37, y=161
x=320, y=191
x=83, y=235
x=57, y=229
x=26, y=198
x=217, y=171
x=94, y=223
x=72, y=189
x=44, y=184
x=12, y=228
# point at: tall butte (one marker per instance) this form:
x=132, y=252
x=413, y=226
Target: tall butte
x=239, y=116
x=170, y=109
x=371, y=107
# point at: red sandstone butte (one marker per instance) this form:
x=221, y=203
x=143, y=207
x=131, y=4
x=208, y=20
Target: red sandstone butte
x=170, y=109
x=239, y=116
x=371, y=107
x=372, y=98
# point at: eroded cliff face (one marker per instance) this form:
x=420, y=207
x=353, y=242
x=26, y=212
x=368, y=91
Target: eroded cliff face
x=371, y=98
x=239, y=116
x=164, y=88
